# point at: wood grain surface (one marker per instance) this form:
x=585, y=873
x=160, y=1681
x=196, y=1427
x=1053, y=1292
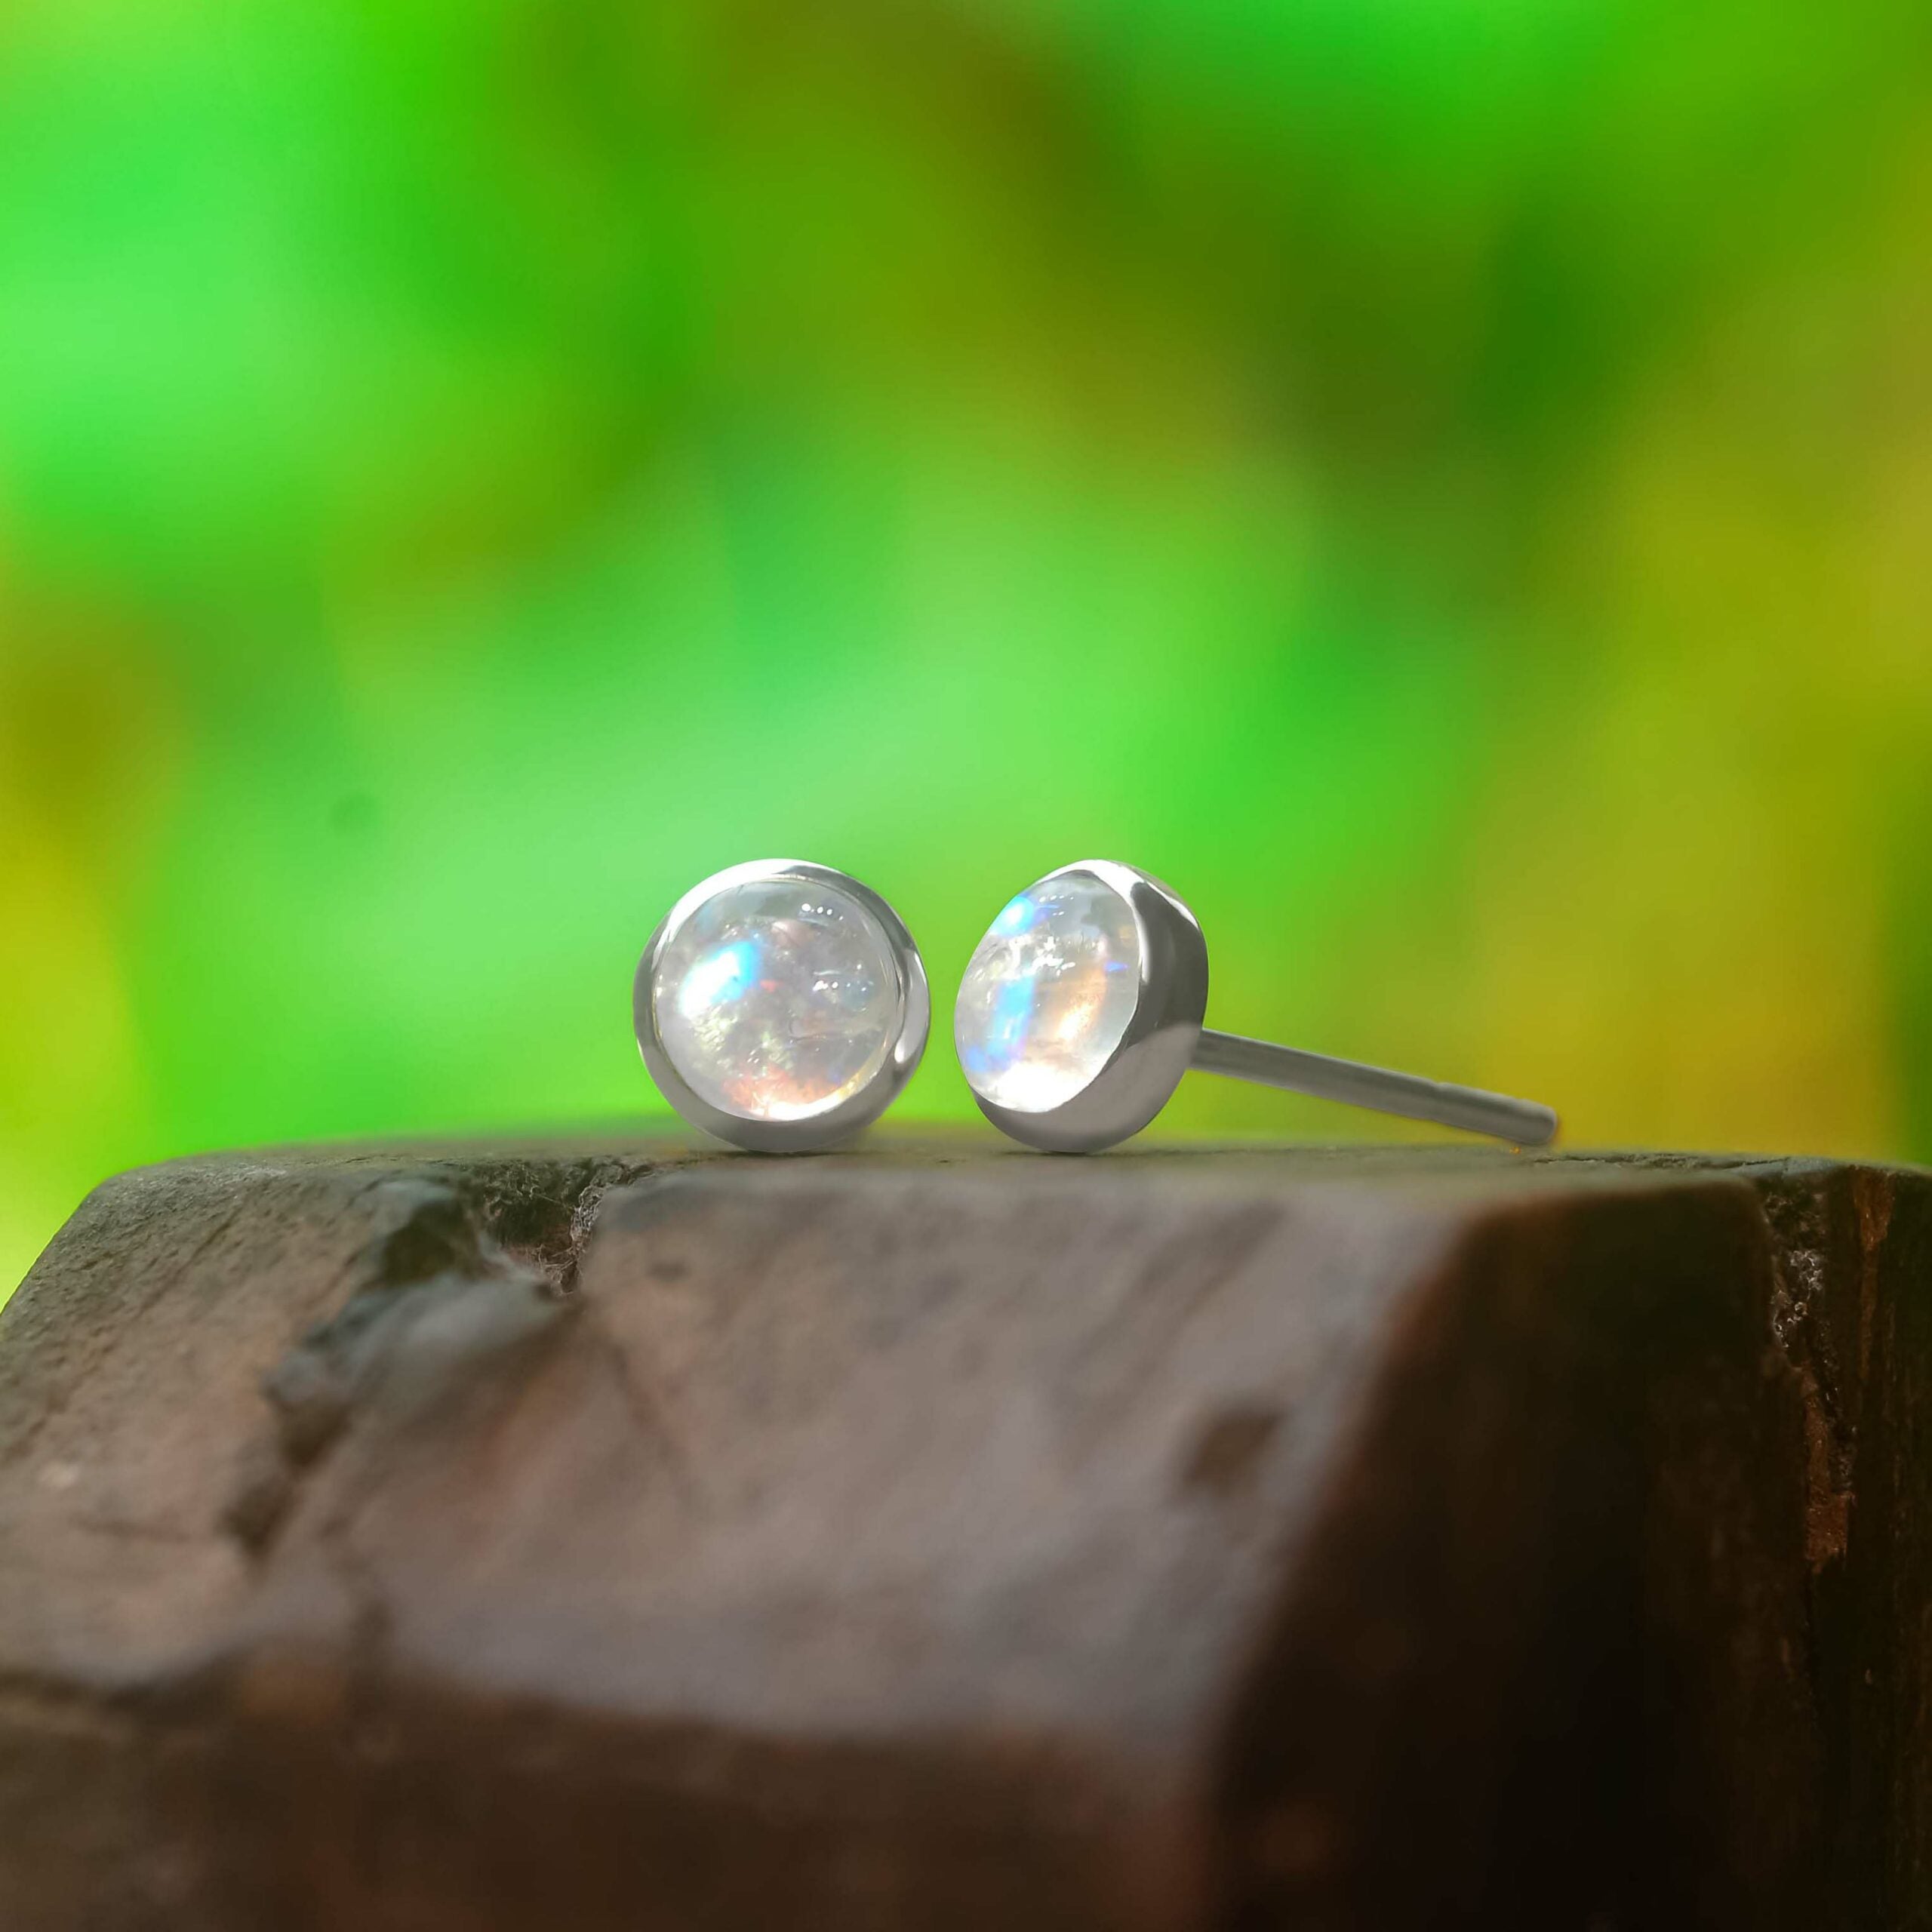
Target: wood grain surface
x=608, y=1535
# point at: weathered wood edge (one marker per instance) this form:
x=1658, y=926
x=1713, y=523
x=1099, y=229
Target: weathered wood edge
x=1841, y=1266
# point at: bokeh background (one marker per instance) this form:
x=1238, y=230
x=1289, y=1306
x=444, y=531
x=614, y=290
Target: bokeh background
x=1447, y=483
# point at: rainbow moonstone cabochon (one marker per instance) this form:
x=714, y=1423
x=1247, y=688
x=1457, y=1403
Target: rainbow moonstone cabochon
x=777, y=999
x=1048, y=993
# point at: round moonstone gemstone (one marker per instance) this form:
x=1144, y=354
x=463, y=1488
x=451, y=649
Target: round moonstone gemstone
x=1048, y=993
x=777, y=999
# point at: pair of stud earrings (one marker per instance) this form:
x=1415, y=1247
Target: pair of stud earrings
x=782, y=1005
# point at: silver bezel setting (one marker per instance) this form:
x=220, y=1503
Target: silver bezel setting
x=858, y=1110
x=1143, y=1071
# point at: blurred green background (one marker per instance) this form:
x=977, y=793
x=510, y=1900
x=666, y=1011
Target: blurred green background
x=1447, y=483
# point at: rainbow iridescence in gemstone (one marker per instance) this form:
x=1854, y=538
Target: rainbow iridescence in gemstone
x=778, y=999
x=1048, y=993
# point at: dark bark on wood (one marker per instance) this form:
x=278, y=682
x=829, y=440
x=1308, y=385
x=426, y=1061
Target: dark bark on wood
x=932, y=1537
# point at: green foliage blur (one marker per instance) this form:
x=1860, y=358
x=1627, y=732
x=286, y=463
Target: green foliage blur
x=1446, y=483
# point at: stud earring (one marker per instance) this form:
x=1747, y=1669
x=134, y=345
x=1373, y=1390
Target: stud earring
x=1081, y=1008
x=781, y=1005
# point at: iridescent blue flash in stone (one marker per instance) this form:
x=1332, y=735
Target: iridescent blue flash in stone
x=777, y=1000
x=1048, y=993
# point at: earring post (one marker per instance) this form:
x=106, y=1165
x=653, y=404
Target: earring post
x=1522, y=1123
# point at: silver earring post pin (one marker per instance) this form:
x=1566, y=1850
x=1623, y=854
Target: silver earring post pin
x=1082, y=1006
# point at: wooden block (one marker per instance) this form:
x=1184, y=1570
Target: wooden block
x=934, y=1537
